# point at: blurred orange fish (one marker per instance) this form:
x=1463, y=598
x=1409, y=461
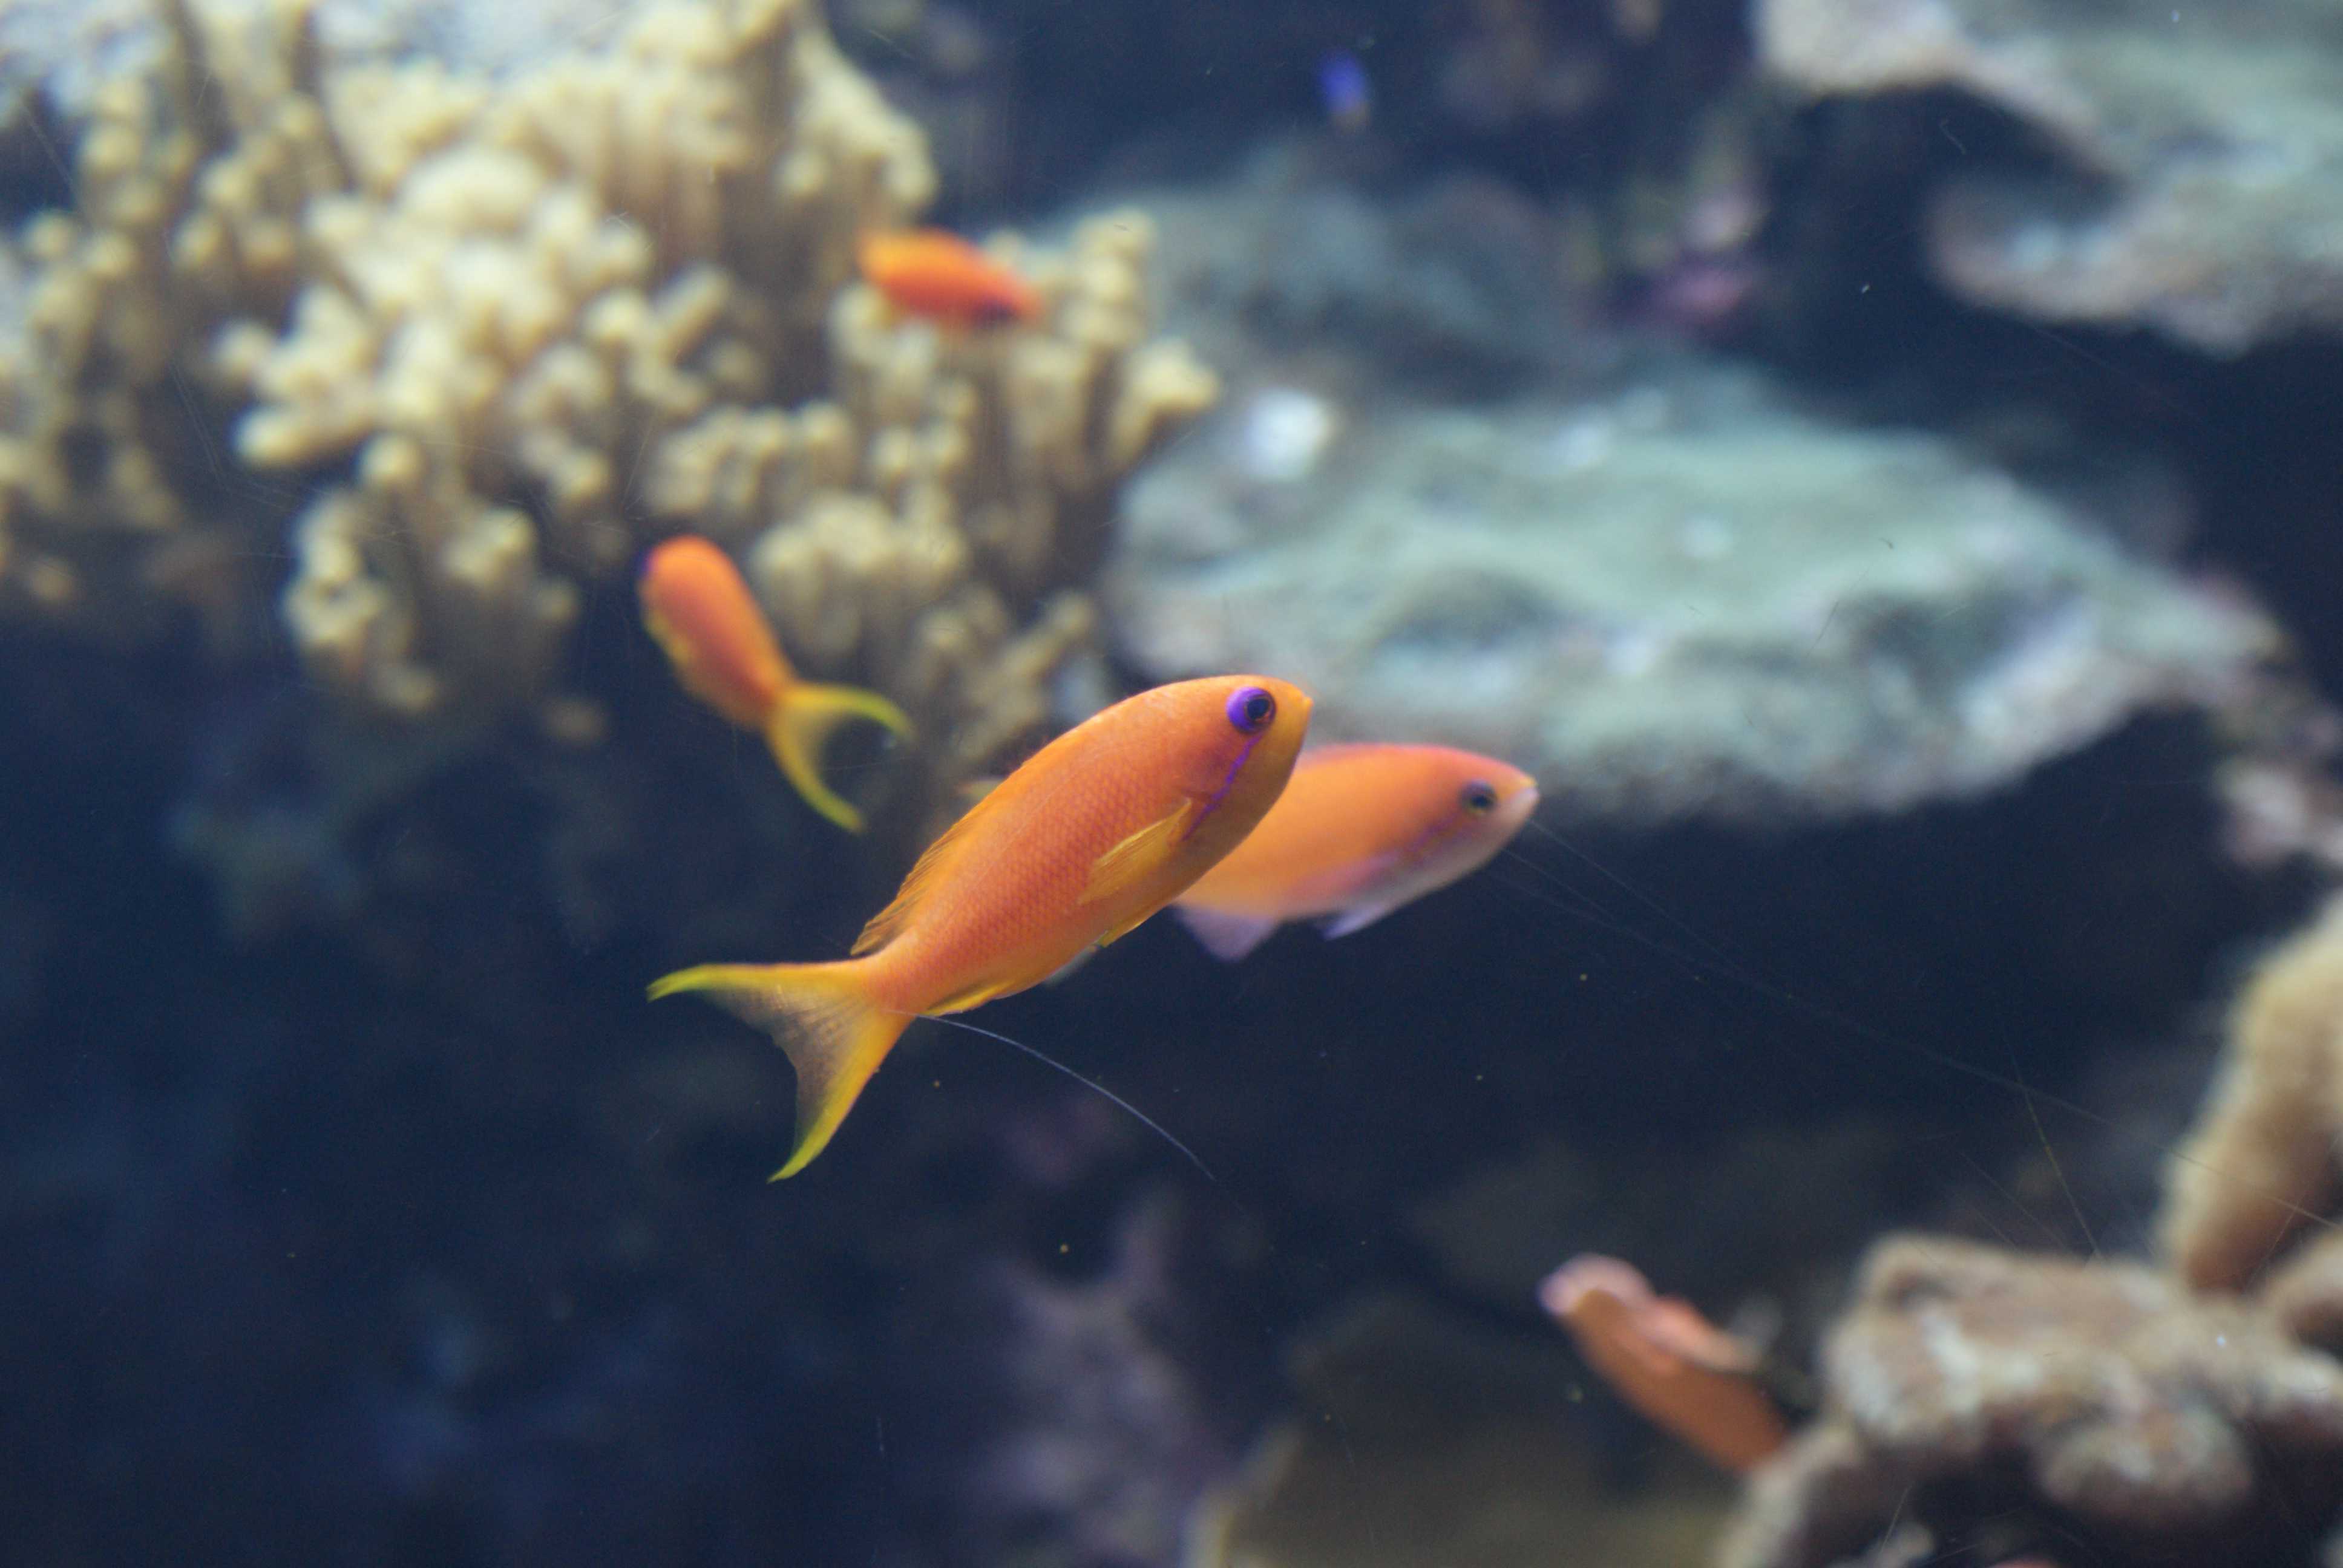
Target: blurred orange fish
x=1097, y=831
x=935, y=274
x=1682, y=1372
x=700, y=612
x=1360, y=831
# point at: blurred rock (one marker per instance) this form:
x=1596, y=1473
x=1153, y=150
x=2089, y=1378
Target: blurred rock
x=2256, y=1177
x=1686, y=595
x=2187, y=167
x=1971, y=1388
x=1308, y=250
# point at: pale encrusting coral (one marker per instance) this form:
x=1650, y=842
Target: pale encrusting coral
x=538, y=320
x=1460, y=505
x=1997, y=1400
x=1683, y=595
x=2045, y=1396
x=2195, y=153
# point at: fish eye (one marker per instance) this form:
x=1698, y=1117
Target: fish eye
x=1479, y=798
x=1251, y=709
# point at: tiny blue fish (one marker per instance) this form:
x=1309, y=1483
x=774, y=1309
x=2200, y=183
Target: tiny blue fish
x=1344, y=88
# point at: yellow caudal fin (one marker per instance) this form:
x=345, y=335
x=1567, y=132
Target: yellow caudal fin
x=821, y=1015
x=800, y=727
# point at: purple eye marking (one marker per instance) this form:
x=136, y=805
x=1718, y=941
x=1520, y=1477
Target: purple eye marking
x=1251, y=709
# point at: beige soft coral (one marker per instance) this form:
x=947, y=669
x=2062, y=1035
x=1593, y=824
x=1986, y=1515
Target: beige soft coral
x=2262, y=1162
x=500, y=335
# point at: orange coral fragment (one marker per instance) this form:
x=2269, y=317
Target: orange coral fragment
x=1681, y=1370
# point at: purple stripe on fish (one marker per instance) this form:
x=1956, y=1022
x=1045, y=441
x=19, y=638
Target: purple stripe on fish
x=1213, y=801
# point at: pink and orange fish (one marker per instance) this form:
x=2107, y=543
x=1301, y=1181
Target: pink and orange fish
x=934, y=274
x=1098, y=830
x=1361, y=830
x=1685, y=1374
x=699, y=610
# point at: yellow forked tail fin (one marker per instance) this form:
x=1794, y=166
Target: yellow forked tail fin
x=821, y=1015
x=800, y=727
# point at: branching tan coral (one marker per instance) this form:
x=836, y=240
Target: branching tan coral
x=934, y=526
x=406, y=539
x=540, y=321
x=2263, y=1160
x=113, y=503
x=614, y=297
x=528, y=291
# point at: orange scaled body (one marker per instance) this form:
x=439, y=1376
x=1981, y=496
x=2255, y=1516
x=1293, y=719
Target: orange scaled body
x=1102, y=828
x=700, y=612
x=935, y=274
x=1361, y=830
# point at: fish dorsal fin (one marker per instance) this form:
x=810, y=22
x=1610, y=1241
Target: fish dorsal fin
x=1136, y=856
x=889, y=923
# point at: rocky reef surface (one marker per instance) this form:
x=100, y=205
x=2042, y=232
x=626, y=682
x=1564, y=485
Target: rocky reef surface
x=2177, y=169
x=1660, y=578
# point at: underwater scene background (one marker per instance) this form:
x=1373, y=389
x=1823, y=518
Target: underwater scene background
x=1873, y=463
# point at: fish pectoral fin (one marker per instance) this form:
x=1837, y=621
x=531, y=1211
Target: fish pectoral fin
x=1357, y=917
x=1122, y=931
x=1135, y=857
x=974, y=996
x=1225, y=936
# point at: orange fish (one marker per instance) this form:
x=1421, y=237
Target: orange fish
x=1682, y=1372
x=1097, y=831
x=935, y=274
x=1360, y=831
x=699, y=610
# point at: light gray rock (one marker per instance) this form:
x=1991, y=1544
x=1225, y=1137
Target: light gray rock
x=1684, y=597
x=2196, y=179
x=1309, y=247
x=69, y=47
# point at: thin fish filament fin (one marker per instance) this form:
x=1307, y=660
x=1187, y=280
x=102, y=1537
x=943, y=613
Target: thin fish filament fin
x=822, y=1016
x=802, y=725
x=1135, y=857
